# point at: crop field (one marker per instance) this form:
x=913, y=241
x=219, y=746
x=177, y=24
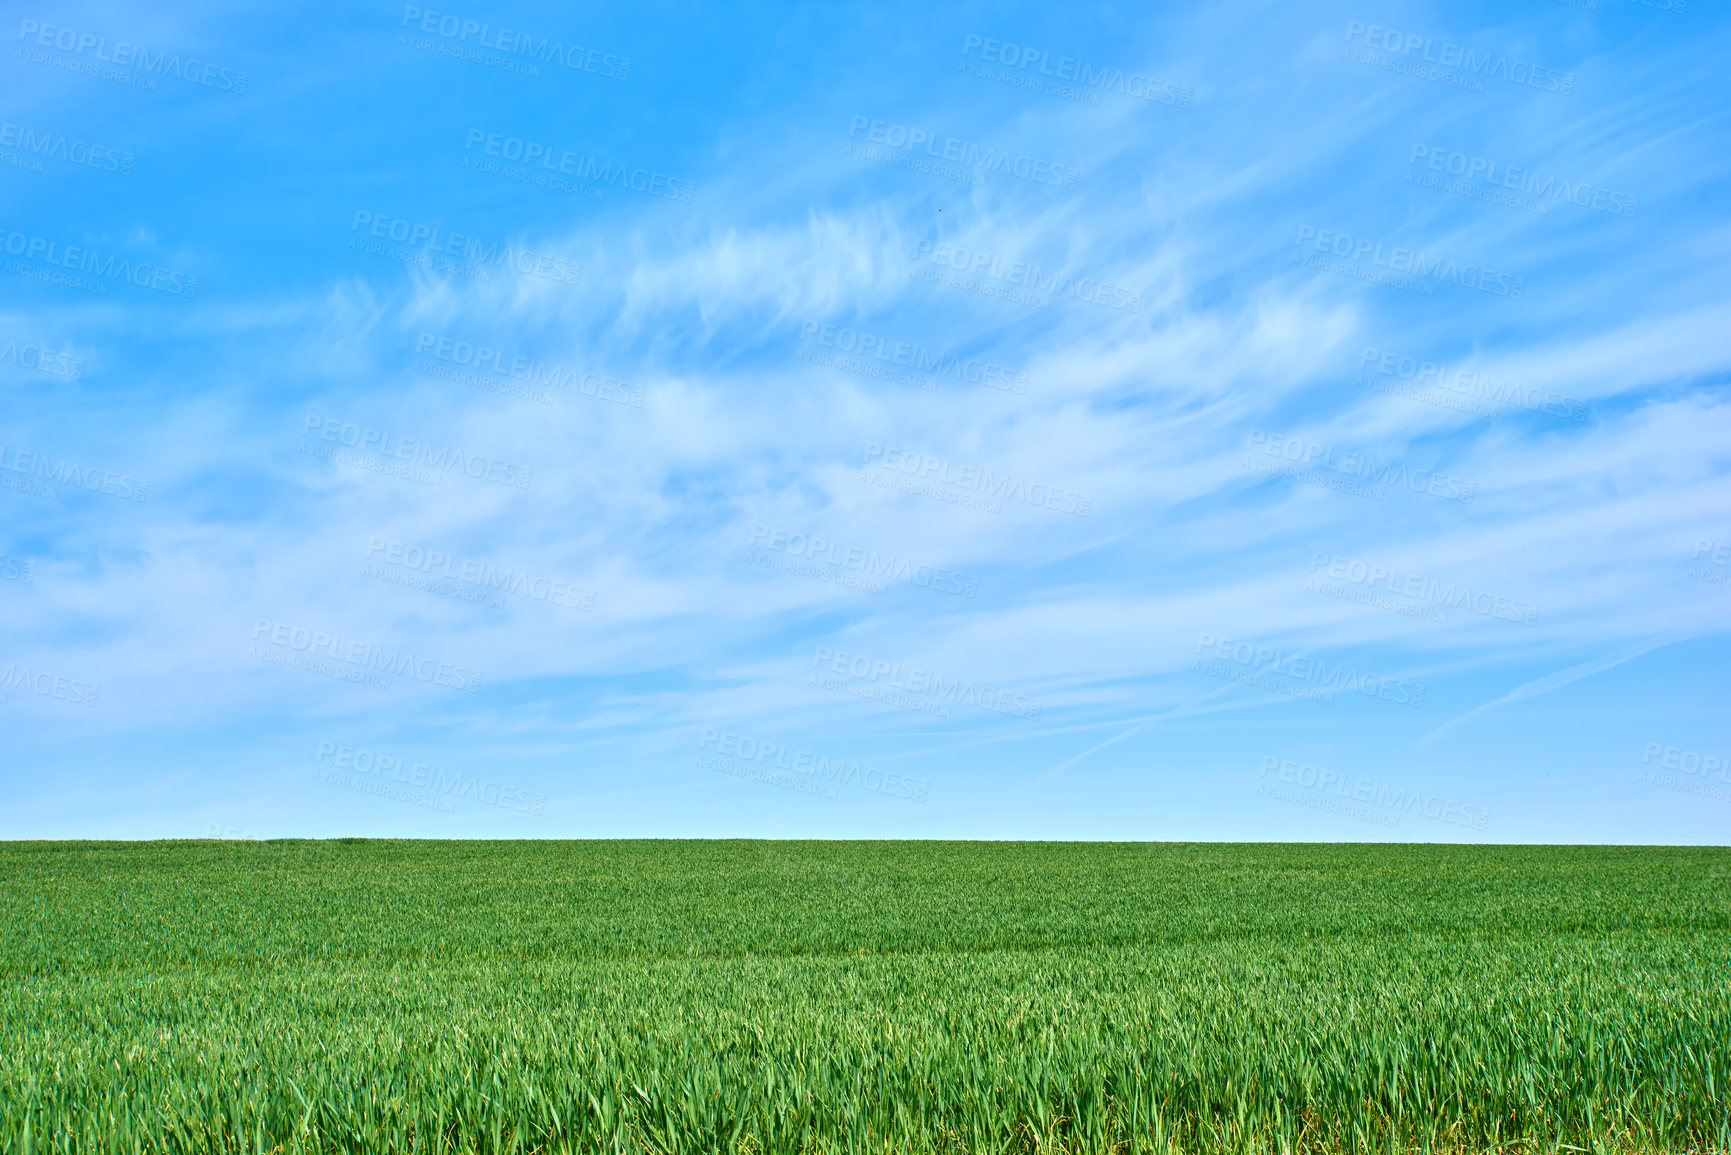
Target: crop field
x=742, y=996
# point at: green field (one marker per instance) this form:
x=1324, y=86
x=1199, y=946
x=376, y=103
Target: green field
x=689, y=996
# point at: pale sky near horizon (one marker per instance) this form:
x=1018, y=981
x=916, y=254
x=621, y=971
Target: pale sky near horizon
x=1264, y=422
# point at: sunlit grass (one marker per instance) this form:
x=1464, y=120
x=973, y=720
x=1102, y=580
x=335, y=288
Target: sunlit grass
x=780, y=997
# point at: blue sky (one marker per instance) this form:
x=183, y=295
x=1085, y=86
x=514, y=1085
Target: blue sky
x=1228, y=422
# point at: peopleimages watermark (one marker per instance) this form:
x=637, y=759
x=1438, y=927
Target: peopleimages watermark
x=1511, y=186
x=231, y=833
x=18, y=569
x=384, y=452
x=1382, y=801
x=888, y=357
x=1069, y=77
x=487, y=792
x=135, y=66
x=1017, y=281
x=1695, y=767
x=518, y=48
x=1317, y=464
x=886, y=696
x=1717, y=553
x=35, y=147
x=408, y=579
x=983, y=286
x=970, y=486
x=1419, y=592
x=1471, y=387
x=46, y=684
x=793, y=564
x=1371, y=598
x=912, y=688
x=1454, y=64
x=1404, y=268
x=951, y=157
x=89, y=479
x=745, y=756
x=430, y=247
x=65, y=262
x=1297, y=673
x=360, y=661
x=38, y=356
x=1317, y=801
x=545, y=167
x=516, y=374
x=382, y=789
x=866, y=565
x=465, y=578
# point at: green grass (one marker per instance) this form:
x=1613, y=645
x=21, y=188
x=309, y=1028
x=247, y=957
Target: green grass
x=847, y=996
